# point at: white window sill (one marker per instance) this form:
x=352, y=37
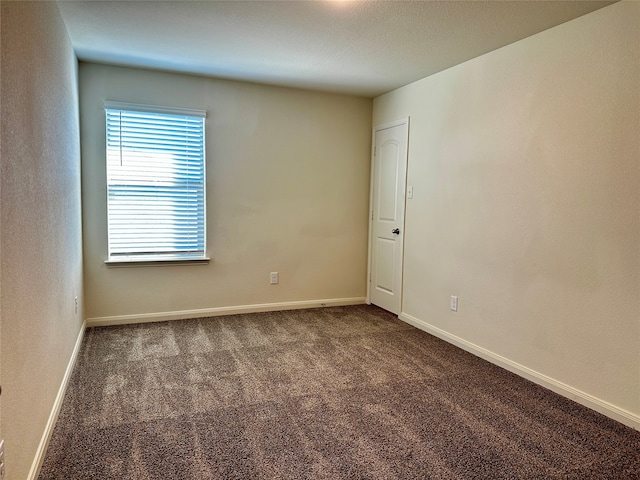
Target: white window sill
x=155, y=262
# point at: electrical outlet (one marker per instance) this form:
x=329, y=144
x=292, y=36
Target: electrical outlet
x=1, y=459
x=75, y=304
x=454, y=303
x=274, y=278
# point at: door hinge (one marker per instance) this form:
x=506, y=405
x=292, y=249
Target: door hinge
x=371, y=215
x=375, y=150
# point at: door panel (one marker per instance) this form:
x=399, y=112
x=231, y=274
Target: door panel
x=385, y=265
x=387, y=181
x=387, y=228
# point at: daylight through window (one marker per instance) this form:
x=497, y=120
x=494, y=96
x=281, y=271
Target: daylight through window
x=155, y=183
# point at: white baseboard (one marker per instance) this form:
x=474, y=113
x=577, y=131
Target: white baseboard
x=217, y=311
x=594, y=403
x=55, y=411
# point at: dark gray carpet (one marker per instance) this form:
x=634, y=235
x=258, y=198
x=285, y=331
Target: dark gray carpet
x=332, y=393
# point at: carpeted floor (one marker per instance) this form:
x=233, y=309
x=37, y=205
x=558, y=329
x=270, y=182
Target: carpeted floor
x=333, y=393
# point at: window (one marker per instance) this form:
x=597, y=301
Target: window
x=155, y=183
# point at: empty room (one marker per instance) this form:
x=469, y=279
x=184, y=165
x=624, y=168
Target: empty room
x=319, y=239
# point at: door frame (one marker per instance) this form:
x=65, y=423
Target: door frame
x=374, y=130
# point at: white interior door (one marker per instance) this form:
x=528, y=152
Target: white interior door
x=389, y=176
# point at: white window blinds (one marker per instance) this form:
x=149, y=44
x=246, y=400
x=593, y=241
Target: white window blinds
x=155, y=183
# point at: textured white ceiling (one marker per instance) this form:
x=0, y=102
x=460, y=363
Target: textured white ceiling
x=350, y=46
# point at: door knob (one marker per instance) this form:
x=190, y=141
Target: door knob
x=395, y=231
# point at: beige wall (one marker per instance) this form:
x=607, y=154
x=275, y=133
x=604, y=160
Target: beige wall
x=525, y=164
x=41, y=258
x=287, y=191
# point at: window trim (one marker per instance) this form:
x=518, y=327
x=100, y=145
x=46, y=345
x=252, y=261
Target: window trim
x=157, y=262
x=168, y=259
